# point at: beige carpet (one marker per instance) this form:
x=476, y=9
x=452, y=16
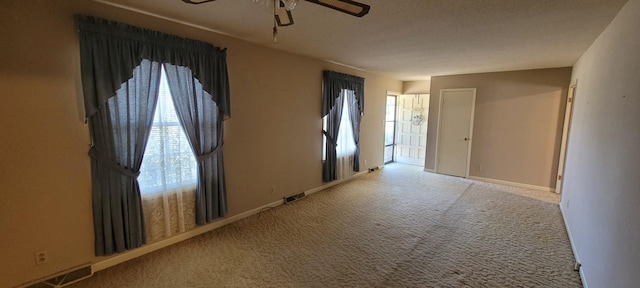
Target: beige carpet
x=398, y=227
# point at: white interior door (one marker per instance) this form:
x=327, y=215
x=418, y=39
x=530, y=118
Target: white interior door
x=455, y=128
x=411, y=140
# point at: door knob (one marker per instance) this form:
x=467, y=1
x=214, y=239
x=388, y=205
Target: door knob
x=466, y=139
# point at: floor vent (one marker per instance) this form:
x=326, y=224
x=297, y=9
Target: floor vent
x=292, y=198
x=66, y=278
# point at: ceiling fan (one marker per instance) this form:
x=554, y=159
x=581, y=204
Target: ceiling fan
x=282, y=8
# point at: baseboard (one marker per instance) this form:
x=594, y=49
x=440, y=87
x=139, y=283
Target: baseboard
x=582, y=272
x=522, y=185
x=121, y=258
x=583, y=278
x=336, y=182
x=430, y=170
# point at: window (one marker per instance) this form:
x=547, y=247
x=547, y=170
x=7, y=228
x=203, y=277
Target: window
x=346, y=145
x=168, y=163
x=335, y=87
x=390, y=129
x=119, y=127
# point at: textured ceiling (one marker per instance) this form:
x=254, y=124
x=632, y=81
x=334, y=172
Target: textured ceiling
x=412, y=39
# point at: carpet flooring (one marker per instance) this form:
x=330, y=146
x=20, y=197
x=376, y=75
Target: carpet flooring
x=397, y=227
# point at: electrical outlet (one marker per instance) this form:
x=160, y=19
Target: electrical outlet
x=365, y=163
x=479, y=168
x=273, y=189
x=41, y=257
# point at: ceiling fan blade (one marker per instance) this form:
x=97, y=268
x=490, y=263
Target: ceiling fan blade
x=283, y=16
x=197, y=1
x=346, y=6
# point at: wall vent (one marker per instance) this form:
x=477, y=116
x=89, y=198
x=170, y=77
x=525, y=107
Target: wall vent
x=65, y=278
x=289, y=199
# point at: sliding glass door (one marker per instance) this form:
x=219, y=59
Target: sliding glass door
x=390, y=129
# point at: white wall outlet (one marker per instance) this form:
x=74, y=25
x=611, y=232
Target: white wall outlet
x=365, y=163
x=41, y=257
x=273, y=189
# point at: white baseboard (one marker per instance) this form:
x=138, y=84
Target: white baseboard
x=528, y=186
x=430, y=170
x=583, y=276
x=336, y=182
x=126, y=256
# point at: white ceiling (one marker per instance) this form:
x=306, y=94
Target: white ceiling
x=412, y=39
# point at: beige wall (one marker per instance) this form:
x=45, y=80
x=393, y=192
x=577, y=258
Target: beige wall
x=272, y=139
x=416, y=87
x=601, y=193
x=517, y=125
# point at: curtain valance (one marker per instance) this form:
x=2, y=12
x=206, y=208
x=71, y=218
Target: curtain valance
x=110, y=51
x=332, y=85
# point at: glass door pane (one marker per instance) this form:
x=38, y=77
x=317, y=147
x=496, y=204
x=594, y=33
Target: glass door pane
x=390, y=129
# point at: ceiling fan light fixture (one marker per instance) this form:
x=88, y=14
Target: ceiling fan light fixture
x=281, y=14
x=346, y=6
x=290, y=4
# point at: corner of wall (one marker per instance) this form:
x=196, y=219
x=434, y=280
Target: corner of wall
x=416, y=87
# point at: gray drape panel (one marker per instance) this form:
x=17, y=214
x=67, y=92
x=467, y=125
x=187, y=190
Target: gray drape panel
x=332, y=85
x=119, y=130
x=355, y=117
x=202, y=122
x=110, y=53
x=333, y=127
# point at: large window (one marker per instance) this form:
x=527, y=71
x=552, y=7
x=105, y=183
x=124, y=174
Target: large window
x=168, y=174
x=345, y=144
x=168, y=163
x=120, y=109
x=335, y=88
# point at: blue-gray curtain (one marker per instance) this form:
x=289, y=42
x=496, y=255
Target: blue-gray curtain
x=202, y=122
x=355, y=116
x=119, y=131
x=331, y=134
x=333, y=83
x=114, y=58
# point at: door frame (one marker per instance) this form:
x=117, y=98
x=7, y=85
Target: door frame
x=384, y=122
x=472, y=116
x=395, y=130
x=564, y=142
